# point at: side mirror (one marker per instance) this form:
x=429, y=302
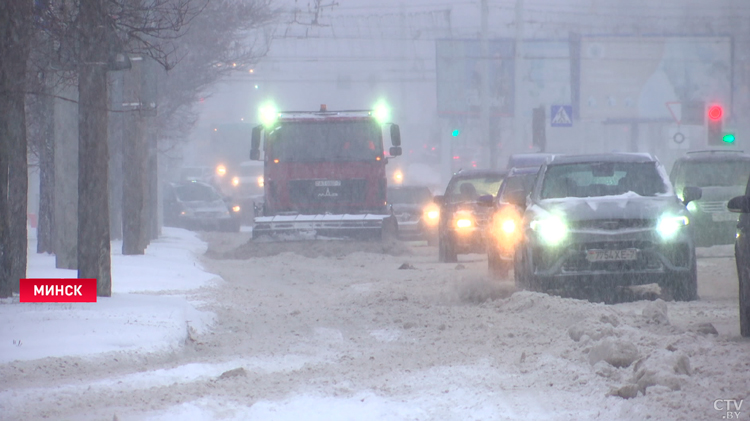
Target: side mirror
x=438, y=200
x=691, y=193
x=255, y=143
x=739, y=204
x=486, y=200
x=395, y=151
x=516, y=197
x=395, y=136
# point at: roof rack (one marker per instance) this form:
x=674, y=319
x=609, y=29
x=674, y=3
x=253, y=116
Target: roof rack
x=716, y=151
x=326, y=113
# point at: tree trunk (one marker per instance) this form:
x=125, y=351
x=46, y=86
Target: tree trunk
x=154, y=188
x=14, y=52
x=93, y=157
x=132, y=186
x=18, y=189
x=133, y=173
x=115, y=156
x=46, y=227
x=66, y=181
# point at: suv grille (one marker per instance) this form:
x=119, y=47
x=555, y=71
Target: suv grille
x=712, y=207
x=613, y=224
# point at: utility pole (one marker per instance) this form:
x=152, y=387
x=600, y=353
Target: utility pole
x=484, y=100
x=518, y=130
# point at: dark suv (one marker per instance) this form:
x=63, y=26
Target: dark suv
x=721, y=175
x=598, y=222
x=462, y=217
x=741, y=204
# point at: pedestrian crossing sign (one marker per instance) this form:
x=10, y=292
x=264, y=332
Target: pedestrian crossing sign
x=561, y=116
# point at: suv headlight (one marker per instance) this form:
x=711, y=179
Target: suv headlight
x=552, y=229
x=463, y=220
x=668, y=226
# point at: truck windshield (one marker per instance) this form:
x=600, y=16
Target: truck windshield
x=326, y=141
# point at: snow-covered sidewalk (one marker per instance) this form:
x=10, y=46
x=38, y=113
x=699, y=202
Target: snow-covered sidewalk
x=150, y=308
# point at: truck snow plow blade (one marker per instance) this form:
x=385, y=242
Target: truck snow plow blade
x=366, y=226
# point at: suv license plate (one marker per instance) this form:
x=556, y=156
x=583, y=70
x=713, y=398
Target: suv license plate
x=611, y=255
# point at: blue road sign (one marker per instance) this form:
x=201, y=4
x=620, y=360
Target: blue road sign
x=561, y=116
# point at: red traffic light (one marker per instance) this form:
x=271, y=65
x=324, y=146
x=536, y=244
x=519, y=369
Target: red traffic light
x=715, y=112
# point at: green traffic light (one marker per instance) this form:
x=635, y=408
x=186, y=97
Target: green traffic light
x=728, y=138
x=456, y=132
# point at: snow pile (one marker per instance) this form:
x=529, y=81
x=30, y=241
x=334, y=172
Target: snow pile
x=148, y=321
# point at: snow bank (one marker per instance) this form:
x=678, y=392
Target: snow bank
x=145, y=321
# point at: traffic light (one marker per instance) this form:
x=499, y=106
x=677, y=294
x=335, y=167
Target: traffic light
x=455, y=132
x=715, y=129
x=728, y=138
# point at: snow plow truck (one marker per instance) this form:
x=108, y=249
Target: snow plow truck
x=325, y=173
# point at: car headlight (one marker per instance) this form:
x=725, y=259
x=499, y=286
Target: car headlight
x=431, y=216
x=235, y=181
x=236, y=208
x=508, y=226
x=552, y=230
x=398, y=177
x=260, y=181
x=692, y=207
x=669, y=226
x=464, y=223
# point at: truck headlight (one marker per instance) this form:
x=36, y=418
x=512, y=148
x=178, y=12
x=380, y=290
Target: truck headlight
x=552, y=230
x=669, y=226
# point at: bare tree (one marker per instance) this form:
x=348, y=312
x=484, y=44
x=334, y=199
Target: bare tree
x=205, y=56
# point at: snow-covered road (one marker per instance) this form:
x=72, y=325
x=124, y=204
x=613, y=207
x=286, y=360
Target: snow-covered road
x=332, y=331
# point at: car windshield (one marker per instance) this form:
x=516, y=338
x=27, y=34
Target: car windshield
x=594, y=179
x=725, y=174
x=197, y=193
x=409, y=196
x=467, y=189
x=523, y=182
x=326, y=141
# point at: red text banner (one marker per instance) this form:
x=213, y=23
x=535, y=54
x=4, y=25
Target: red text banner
x=50, y=290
